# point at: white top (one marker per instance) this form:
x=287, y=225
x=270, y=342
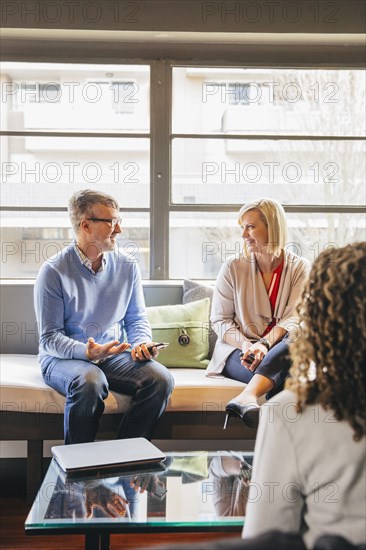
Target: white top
x=308, y=474
x=241, y=309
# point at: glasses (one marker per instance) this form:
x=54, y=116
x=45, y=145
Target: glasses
x=112, y=221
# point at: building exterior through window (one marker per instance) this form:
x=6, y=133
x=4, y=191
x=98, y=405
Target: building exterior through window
x=296, y=135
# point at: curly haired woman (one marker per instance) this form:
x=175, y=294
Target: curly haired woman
x=309, y=462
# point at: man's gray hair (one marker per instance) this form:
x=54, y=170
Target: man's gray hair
x=82, y=202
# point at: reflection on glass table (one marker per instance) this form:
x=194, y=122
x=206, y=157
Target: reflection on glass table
x=192, y=489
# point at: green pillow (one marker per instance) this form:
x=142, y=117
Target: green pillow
x=185, y=327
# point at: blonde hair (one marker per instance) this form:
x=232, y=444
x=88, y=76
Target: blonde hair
x=332, y=341
x=274, y=217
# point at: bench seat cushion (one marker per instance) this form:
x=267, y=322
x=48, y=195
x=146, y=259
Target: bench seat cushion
x=23, y=389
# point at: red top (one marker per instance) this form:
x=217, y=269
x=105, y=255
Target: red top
x=272, y=294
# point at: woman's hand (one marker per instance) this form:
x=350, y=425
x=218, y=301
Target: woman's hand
x=256, y=350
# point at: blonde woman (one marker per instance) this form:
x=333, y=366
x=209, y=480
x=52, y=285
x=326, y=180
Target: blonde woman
x=253, y=308
x=309, y=460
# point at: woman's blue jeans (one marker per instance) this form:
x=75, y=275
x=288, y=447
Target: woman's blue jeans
x=85, y=386
x=275, y=366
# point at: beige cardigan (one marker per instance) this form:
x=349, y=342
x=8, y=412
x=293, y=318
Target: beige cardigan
x=241, y=309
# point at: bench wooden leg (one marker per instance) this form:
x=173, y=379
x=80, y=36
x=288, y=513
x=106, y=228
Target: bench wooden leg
x=34, y=467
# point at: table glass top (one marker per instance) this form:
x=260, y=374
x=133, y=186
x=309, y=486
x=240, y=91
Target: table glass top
x=193, y=489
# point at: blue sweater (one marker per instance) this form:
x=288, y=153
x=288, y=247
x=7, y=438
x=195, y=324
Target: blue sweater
x=73, y=305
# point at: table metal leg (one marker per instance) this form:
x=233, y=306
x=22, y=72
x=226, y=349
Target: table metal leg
x=97, y=541
x=34, y=468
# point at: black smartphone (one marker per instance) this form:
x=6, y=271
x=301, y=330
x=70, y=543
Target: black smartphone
x=160, y=345
x=159, y=492
x=248, y=359
x=157, y=489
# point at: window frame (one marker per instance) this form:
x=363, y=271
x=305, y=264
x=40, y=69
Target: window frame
x=233, y=208
x=161, y=137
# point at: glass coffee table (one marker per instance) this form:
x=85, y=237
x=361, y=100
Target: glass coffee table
x=193, y=491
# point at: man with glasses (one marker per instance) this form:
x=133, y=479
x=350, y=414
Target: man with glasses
x=94, y=332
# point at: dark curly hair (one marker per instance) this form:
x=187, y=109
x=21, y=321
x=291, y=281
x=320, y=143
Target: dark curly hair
x=328, y=359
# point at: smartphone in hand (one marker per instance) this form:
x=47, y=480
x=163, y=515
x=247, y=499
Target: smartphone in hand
x=249, y=360
x=157, y=489
x=158, y=346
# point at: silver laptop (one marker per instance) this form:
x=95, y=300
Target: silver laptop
x=106, y=454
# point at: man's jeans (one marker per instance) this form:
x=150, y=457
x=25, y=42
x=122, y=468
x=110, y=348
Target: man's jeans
x=85, y=386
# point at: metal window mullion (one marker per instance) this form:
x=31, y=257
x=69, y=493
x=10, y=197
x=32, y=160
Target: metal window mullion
x=160, y=85
x=294, y=208
x=25, y=133
x=260, y=137
x=291, y=208
x=57, y=209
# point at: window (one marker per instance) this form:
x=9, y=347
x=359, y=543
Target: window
x=296, y=135
x=216, y=137
x=91, y=129
x=123, y=96
x=120, y=95
x=36, y=92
